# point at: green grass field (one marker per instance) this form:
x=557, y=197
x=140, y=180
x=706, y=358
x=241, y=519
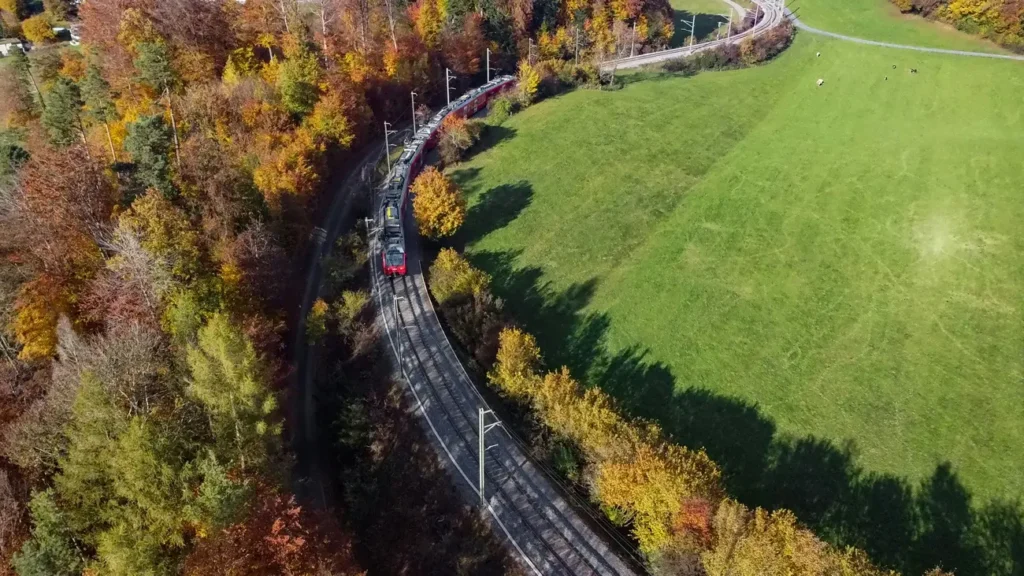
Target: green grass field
x=755, y=261
x=710, y=15
x=880, y=20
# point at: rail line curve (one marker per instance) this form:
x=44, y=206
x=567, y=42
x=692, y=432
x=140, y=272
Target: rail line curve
x=550, y=528
x=767, y=15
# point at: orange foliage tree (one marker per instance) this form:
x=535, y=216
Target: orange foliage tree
x=279, y=537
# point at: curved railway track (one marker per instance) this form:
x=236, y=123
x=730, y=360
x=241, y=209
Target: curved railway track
x=551, y=528
x=768, y=14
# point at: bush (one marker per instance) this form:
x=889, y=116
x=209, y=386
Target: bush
x=457, y=136
x=316, y=321
x=775, y=40
x=37, y=29
x=452, y=277
x=529, y=82
x=473, y=313
x=349, y=308
x=904, y=5
x=501, y=108
x=749, y=52
x=721, y=58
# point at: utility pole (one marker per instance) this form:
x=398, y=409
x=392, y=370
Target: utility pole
x=413, y=96
x=387, y=145
x=447, y=84
x=693, y=29
x=577, y=51
x=529, y=52
x=632, y=40
x=488, y=64
x=730, y=24
x=482, y=429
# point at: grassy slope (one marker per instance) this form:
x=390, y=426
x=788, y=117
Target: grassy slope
x=711, y=15
x=701, y=6
x=880, y=20
x=846, y=258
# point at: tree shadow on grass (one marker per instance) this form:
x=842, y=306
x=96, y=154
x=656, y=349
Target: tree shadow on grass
x=703, y=25
x=912, y=528
x=491, y=136
x=495, y=209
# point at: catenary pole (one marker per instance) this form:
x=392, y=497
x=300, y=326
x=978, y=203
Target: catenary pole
x=413, y=96
x=447, y=85
x=387, y=145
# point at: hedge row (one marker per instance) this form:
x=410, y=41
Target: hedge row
x=751, y=51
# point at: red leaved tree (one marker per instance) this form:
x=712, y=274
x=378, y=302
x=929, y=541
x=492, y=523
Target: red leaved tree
x=278, y=538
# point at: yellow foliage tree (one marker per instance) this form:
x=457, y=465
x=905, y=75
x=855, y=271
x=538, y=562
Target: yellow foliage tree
x=194, y=66
x=328, y=121
x=636, y=471
x=984, y=12
x=651, y=482
x=437, y=204
x=241, y=63
x=38, y=307
x=165, y=232
x=38, y=29
x=529, y=81
x=357, y=66
x=15, y=7
x=515, y=369
x=231, y=277
x=452, y=276
x=429, y=21
x=757, y=543
x=72, y=65
x=291, y=166
x=136, y=28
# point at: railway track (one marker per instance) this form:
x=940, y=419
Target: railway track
x=770, y=13
x=546, y=527
x=551, y=528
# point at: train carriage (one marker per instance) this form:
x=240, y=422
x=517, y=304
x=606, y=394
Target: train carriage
x=409, y=164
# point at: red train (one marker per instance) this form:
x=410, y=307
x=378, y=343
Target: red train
x=408, y=166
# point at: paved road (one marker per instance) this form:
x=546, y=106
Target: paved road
x=547, y=532
x=796, y=21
